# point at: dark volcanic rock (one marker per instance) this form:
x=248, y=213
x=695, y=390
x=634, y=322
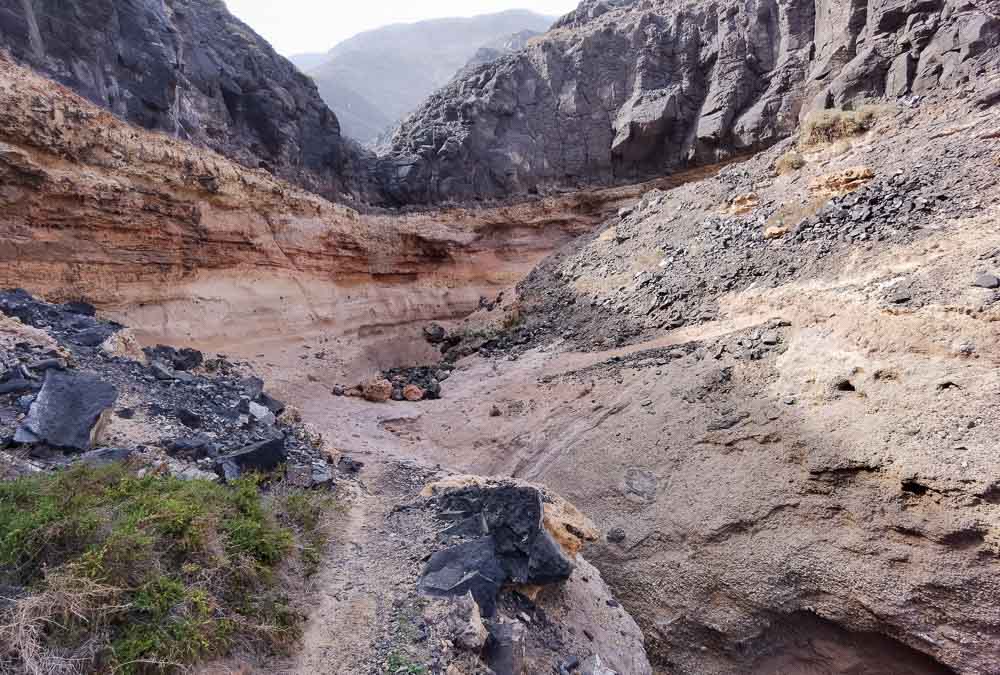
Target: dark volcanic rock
x=264, y=456
x=469, y=567
x=180, y=359
x=620, y=91
x=987, y=281
x=68, y=411
x=190, y=69
x=510, y=545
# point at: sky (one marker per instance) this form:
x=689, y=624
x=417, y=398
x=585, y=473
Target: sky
x=299, y=26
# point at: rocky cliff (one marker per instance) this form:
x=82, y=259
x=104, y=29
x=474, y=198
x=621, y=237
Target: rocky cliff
x=190, y=69
x=186, y=240
x=621, y=90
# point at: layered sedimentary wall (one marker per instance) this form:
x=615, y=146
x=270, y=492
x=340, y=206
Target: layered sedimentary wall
x=181, y=238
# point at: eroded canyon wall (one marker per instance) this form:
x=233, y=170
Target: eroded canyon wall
x=182, y=240
x=622, y=90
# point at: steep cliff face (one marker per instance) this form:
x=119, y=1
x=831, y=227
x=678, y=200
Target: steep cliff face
x=190, y=69
x=622, y=90
x=181, y=240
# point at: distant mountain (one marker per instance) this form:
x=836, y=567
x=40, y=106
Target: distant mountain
x=376, y=78
x=306, y=62
x=493, y=51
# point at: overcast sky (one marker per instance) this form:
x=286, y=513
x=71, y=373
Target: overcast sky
x=297, y=26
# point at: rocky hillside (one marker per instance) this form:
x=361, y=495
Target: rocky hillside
x=376, y=78
x=190, y=69
x=622, y=90
x=496, y=49
x=773, y=388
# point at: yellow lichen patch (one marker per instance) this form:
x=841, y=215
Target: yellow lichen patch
x=841, y=182
x=13, y=331
x=742, y=204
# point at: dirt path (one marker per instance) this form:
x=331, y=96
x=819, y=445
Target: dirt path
x=342, y=630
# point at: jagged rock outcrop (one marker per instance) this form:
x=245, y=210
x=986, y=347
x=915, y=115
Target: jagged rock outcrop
x=492, y=52
x=789, y=439
x=626, y=89
x=192, y=70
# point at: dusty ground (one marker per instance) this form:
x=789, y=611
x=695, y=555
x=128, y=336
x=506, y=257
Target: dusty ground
x=792, y=435
x=803, y=468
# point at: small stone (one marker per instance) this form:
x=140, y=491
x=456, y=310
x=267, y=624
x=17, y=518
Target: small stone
x=348, y=465
x=900, y=297
x=378, y=390
x=495, y=411
x=161, y=371
x=987, y=281
x=189, y=419
x=262, y=414
x=771, y=338
x=413, y=393
x=617, y=535
x=264, y=456
x=435, y=333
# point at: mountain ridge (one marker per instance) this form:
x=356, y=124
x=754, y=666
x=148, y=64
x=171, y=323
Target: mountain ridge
x=387, y=72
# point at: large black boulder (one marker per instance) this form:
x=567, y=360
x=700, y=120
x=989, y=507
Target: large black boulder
x=67, y=411
x=471, y=566
x=259, y=457
x=509, y=544
x=513, y=518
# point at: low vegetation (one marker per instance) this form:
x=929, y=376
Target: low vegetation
x=789, y=162
x=830, y=126
x=106, y=571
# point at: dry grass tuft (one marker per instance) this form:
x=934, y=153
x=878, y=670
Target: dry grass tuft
x=67, y=600
x=829, y=126
x=112, y=572
x=789, y=162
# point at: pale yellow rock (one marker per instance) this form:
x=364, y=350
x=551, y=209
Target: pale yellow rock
x=13, y=331
x=124, y=344
x=775, y=232
x=841, y=182
x=742, y=204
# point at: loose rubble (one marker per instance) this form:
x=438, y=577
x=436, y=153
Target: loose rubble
x=192, y=417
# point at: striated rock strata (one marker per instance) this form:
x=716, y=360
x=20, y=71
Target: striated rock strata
x=180, y=240
x=190, y=69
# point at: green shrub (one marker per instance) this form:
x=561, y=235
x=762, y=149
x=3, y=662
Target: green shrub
x=147, y=574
